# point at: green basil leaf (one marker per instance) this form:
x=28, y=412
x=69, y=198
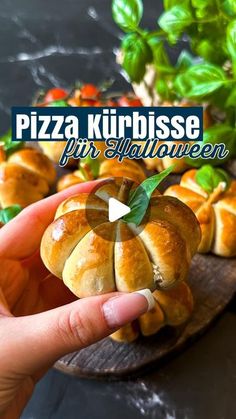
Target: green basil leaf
x=137, y=54
x=58, y=103
x=203, y=8
x=127, y=13
x=211, y=51
x=7, y=214
x=229, y=7
x=231, y=42
x=231, y=101
x=140, y=198
x=162, y=88
x=168, y=4
x=209, y=178
x=10, y=146
x=175, y=20
x=160, y=57
x=199, y=81
x=220, y=133
x=185, y=60
x=93, y=164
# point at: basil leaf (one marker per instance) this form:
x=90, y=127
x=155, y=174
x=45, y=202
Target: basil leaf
x=211, y=51
x=168, y=4
x=185, y=60
x=231, y=101
x=163, y=89
x=221, y=133
x=137, y=54
x=160, y=57
x=127, y=13
x=93, y=164
x=139, y=199
x=58, y=103
x=175, y=20
x=229, y=7
x=209, y=178
x=7, y=214
x=231, y=42
x=199, y=81
x=10, y=146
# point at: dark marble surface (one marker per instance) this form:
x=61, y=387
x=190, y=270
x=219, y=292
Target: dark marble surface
x=49, y=43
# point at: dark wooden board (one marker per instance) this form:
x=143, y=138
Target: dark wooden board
x=213, y=283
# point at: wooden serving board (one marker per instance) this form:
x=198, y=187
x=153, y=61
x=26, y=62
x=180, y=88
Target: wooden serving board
x=213, y=283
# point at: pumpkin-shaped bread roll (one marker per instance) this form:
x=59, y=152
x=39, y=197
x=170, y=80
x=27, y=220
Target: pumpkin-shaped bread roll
x=107, y=168
x=173, y=307
x=25, y=177
x=213, y=199
x=102, y=256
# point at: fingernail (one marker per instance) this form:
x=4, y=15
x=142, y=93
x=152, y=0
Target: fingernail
x=127, y=307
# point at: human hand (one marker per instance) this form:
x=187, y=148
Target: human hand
x=40, y=319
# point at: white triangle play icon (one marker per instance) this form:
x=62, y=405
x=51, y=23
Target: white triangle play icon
x=116, y=209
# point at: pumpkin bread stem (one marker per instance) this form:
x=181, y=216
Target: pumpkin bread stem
x=213, y=197
x=86, y=172
x=217, y=192
x=124, y=191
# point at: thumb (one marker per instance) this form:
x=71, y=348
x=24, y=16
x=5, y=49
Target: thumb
x=34, y=342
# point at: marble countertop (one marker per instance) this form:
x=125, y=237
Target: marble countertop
x=56, y=43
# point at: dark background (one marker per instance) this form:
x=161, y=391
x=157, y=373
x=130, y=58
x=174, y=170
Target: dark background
x=54, y=43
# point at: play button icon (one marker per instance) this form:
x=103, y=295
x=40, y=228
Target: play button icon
x=106, y=207
x=116, y=210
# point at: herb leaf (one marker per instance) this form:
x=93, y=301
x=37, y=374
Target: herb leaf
x=175, y=20
x=139, y=199
x=127, y=13
x=209, y=178
x=137, y=54
x=58, y=103
x=216, y=134
x=185, y=60
x=231, y=42
x=200, y=80
x=229, y=7
x=231, y=101
x=7, y=214
x=10, y=146
x=93, y=164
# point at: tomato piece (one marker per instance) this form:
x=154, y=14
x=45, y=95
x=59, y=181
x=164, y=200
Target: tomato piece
x=89, y=91
x=112, y=103
x=88, y=102
x=55, y=94
x=129, y=101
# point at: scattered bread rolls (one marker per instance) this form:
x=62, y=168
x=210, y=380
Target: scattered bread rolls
x=216, y=213
x=25, y=177
x=108, y=168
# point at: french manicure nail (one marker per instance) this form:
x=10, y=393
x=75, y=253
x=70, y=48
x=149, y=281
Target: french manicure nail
x=127, y=307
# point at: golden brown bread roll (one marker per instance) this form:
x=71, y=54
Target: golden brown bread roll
x=25, y=177
x=216, y=213
x=118, y=256
x=108, y=168
x=173, y=307
x=53, y=149
x=127, y=333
